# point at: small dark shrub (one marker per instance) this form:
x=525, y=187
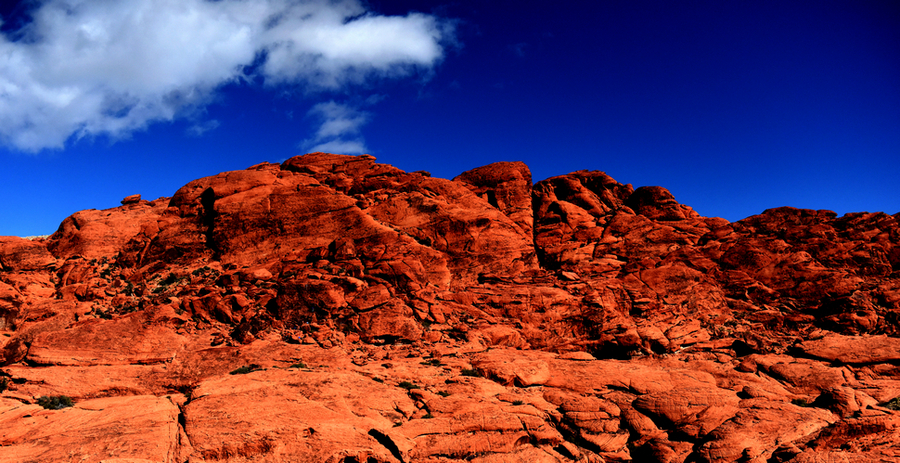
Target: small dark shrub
x=518, y=402
x=893, y=404
x=801, y=403
x=200, y=270
x=169, y=279
x=428, y=416
x=443, y=393
x=166, y=282
x=472, y=373
x=408, y=385
x=245, y=369
x=55, y=402
x=128, y=308
x=298, y=365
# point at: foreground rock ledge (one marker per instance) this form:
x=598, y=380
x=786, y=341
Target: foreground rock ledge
x=333, y=309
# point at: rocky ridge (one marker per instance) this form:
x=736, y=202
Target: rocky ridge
x=334, y=309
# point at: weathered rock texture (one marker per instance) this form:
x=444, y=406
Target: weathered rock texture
x=333, y=309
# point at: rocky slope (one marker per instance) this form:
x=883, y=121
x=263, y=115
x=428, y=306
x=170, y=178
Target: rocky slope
x=333, y=309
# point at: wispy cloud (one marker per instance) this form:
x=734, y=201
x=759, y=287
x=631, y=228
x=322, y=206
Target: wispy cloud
x=339, y=129
x=88, y=67
x=197, y=130
x=518, y=49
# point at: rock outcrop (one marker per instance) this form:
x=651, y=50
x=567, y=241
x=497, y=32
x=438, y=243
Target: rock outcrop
x=334, y=309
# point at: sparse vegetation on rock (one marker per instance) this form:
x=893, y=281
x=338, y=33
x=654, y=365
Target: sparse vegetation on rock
x=407, y=385
x=56, y=402
x=245, y=369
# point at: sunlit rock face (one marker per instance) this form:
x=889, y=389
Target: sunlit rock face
x=331, y=308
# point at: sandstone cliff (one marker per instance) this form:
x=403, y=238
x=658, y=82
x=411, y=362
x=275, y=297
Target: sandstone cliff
x=333, y=309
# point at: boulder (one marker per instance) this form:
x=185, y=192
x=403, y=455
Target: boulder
x=130, y=428
x=18, y=254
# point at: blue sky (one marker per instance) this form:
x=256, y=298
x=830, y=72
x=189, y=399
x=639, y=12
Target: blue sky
x=735, y=107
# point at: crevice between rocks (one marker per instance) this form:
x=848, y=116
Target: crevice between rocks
x=184, y=441
x=181, y=418
x=570, y=435
x=539, y=253
x=208, y=220
x=386, y=441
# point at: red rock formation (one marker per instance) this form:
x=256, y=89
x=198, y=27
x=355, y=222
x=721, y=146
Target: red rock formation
x=331, y=308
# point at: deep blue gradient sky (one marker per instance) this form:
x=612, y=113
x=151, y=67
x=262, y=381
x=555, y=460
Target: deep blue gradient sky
x=735, y=107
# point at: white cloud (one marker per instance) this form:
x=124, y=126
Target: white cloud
x=89, y=67
x=339, y=129
x=340, y=147
x=197, y=130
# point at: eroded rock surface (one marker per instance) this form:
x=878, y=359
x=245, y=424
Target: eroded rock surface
x=331, y=308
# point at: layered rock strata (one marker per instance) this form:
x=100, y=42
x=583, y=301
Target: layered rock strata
x=331, y=308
